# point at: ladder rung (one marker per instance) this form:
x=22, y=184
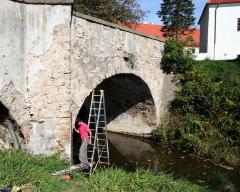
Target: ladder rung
x=104, y=162
x=104, y=151
x=102, y=145
x=103, y=157
x=101, y=149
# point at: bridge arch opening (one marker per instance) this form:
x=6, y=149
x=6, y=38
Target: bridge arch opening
x=129, y=107
x=10, y=135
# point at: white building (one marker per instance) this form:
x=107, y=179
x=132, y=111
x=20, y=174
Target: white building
x=220, y=30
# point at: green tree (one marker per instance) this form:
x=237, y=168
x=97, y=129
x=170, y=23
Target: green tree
x=177, y=17
x=176, y=58
x=115, y=11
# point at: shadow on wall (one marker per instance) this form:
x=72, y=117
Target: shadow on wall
x=124, y=93
x=10, y=135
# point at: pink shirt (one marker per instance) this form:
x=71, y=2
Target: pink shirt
x=83, y=130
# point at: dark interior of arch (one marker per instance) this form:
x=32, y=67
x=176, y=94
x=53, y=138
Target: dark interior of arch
x=7, y=123
x=124, y=93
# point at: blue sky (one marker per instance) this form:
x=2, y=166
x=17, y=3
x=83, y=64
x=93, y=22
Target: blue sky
x=152, y=6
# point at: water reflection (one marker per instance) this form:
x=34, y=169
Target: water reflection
x=129, y=153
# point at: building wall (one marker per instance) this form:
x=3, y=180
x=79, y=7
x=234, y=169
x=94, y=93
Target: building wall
x=204, y=32
x=223, y=39
x=227, y=36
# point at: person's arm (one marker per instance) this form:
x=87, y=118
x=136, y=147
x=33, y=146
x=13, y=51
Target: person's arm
x=76, y=130
x=90, y=140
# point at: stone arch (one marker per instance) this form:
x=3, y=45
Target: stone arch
x=15, y=102
x=15, y=119
x=10, y=135
x=130, y=107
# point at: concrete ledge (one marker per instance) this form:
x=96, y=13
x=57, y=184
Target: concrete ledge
x=52, y=2
x=112, y=25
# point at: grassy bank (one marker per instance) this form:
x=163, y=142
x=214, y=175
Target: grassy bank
x=18, y=169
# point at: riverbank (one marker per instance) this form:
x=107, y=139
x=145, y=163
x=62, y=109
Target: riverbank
x=204, y=115
x=19, y=169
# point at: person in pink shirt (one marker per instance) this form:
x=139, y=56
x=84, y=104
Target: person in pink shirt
x=84, y=130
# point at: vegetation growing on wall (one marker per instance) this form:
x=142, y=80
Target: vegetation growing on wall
x=205, y=114
x=115, y=11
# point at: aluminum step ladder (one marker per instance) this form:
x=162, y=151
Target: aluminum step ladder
x=98, y=151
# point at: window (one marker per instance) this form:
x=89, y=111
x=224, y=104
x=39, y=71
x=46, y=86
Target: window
x=238, y=24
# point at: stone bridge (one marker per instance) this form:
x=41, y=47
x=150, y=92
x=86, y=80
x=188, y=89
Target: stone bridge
x=50, y=61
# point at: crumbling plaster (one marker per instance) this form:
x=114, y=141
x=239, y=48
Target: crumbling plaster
x=35, y=55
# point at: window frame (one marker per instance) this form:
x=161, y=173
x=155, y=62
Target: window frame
x=238, y=24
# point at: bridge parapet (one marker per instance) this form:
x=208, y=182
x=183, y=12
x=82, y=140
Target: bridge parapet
x=50, y=2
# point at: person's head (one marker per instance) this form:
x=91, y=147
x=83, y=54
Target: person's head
x=79, y=122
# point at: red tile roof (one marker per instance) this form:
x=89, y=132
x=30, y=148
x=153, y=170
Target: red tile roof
x=155, y=30
x=222, y=1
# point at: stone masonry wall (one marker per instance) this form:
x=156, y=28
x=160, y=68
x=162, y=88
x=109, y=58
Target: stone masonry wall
x=35, y=57
x=99, y=51
x=50, y=61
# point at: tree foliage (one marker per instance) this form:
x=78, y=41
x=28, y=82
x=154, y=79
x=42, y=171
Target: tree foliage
x=115, y=11
x=177, y=17
x=176, y=59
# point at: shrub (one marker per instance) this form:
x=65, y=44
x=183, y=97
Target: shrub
x=206, y=111
x=176, y=59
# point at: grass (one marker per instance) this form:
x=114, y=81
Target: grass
x=226, y=71
x=17, y=168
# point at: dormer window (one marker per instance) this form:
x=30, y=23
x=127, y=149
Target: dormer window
x=238, y=25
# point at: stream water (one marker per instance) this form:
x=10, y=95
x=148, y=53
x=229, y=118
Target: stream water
x=129, y=153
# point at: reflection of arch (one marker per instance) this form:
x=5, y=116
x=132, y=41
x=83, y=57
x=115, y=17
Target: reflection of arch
x=129, y=103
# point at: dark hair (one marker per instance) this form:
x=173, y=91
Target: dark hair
x=76, y=124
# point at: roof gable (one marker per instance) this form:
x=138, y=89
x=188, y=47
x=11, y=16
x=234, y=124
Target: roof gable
x=222, y=1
